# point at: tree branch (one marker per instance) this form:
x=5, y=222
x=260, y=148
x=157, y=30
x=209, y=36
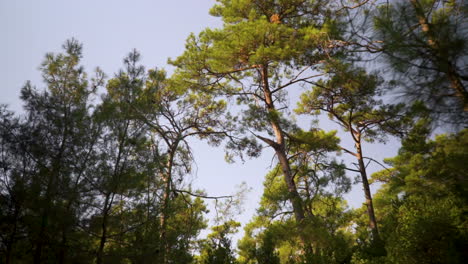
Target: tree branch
x=204, y=196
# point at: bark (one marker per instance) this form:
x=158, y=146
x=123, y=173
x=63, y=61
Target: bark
x=103, y=238
x=54, y=174
x=63, y=247
x=280, y=149
x=376, y=239
x=12, y=237
x=109, y=200
x=40, y=242
x=50, y=191
x=164, y=250
x=163, y=221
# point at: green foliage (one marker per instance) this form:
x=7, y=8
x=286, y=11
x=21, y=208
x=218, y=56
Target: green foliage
x=424, y=167
x=216, y=248
x=82, y=182
x=349, y=99
x=314, y=140
x=423, y=201
x=273, y=236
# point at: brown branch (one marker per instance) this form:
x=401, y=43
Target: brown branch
x=371, y=159
x=349, y=151
x=293, y=81
x=204, y=196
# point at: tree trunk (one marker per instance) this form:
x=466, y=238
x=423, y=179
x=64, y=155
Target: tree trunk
x=103, y=239
x=367, y=192
x=39, y=244
x=164, y=250
x=376, y=239
x=63, y=247
x=163, y=222
x=45, y=216
x=11, y=240
x=280, y=150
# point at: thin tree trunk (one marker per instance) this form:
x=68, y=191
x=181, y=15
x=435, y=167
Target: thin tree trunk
x=45, y=215
x=163, y=222
x=280, y=151
x=164, y=250
x=11, y=239
x=103, y=239
x=63, y=247
x=50, y=191
x=39, y=244
x=109, y=200
x=367, y=192
x=376, y=239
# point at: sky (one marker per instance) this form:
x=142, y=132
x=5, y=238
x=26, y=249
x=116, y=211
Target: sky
x=109, y=30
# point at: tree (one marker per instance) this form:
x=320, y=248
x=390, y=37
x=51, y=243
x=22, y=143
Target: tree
x=90, y=177
x=216, y=248
x=425, y=43
x=423, y=199
x=122, y=147
x=13, y=185
x=348, y=98
x=172, y=115
x=51, y=147
x=273, y=236
x=149, y=117
x=264, y=48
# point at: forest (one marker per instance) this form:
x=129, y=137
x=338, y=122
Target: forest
x=94, y=169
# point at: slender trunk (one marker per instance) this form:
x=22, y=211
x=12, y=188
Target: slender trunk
x=445, y=65
x=8, y=252
x=11, y=239
x=109, y=200
x=50, y=192
x=45, y=215
x=280, y=151
x=164, y=250
x=293, y=194
x=367, y=192
x=376, y=240
x=72, y=198
x=66, y=225
x=163, y=221
x=40, y=242
x=103, y=239
x=63, y=247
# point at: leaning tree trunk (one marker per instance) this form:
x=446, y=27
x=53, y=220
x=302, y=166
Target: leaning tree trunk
x=367, y=192
x=163, y=221
x=103, y=239
x=279, y=146
x=164, y=249
x=376, y=239
x=280, y=149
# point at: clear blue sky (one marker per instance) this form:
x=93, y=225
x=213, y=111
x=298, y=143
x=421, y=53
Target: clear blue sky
x=109, y=30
